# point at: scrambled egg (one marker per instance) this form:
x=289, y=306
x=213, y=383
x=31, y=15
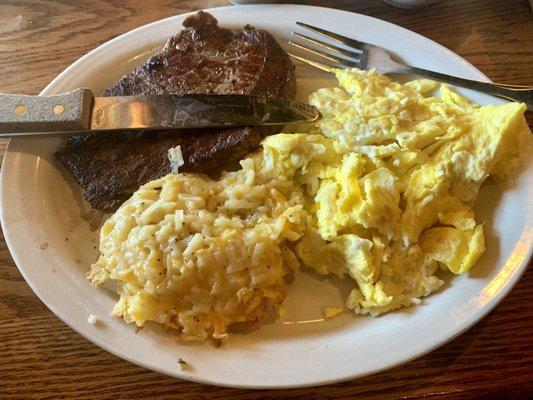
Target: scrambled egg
x=379, y=191
x=397, y=201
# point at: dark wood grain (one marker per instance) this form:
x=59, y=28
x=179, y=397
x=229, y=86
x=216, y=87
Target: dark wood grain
x=40, y=357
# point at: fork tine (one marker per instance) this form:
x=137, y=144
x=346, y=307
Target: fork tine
x=313, y=63
x=330, y=57
x=347, y=53
x=518, y=87
x=335, y=36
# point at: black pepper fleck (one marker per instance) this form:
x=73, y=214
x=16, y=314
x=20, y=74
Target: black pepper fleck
x=151, y=64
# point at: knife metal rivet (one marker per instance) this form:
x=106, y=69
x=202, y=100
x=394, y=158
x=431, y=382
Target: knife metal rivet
x=58, y=109
x=19, y=110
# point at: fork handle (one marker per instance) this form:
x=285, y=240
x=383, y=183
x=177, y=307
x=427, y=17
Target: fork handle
x=523, y=95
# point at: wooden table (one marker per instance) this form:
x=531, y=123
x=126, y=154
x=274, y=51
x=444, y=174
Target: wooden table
x=41, y=357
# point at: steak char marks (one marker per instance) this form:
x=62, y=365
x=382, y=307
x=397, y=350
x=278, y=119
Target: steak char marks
x=202, y=58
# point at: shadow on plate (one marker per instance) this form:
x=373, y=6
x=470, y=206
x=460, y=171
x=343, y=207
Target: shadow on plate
x=485, y=209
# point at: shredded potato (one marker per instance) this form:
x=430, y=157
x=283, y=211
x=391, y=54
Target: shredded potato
x=197, y=254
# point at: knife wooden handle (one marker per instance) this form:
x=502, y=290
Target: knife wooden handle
x=22, y=115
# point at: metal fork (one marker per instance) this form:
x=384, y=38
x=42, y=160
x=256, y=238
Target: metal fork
x=366, y=56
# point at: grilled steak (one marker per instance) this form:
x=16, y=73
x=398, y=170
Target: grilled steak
x=202, y=58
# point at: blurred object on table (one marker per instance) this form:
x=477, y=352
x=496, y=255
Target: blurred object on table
x=244, y=2
x=411, y=3
x=396, y=3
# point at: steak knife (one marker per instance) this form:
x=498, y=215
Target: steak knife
x=79, y=111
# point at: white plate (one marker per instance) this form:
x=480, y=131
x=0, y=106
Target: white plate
x=40, y=207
